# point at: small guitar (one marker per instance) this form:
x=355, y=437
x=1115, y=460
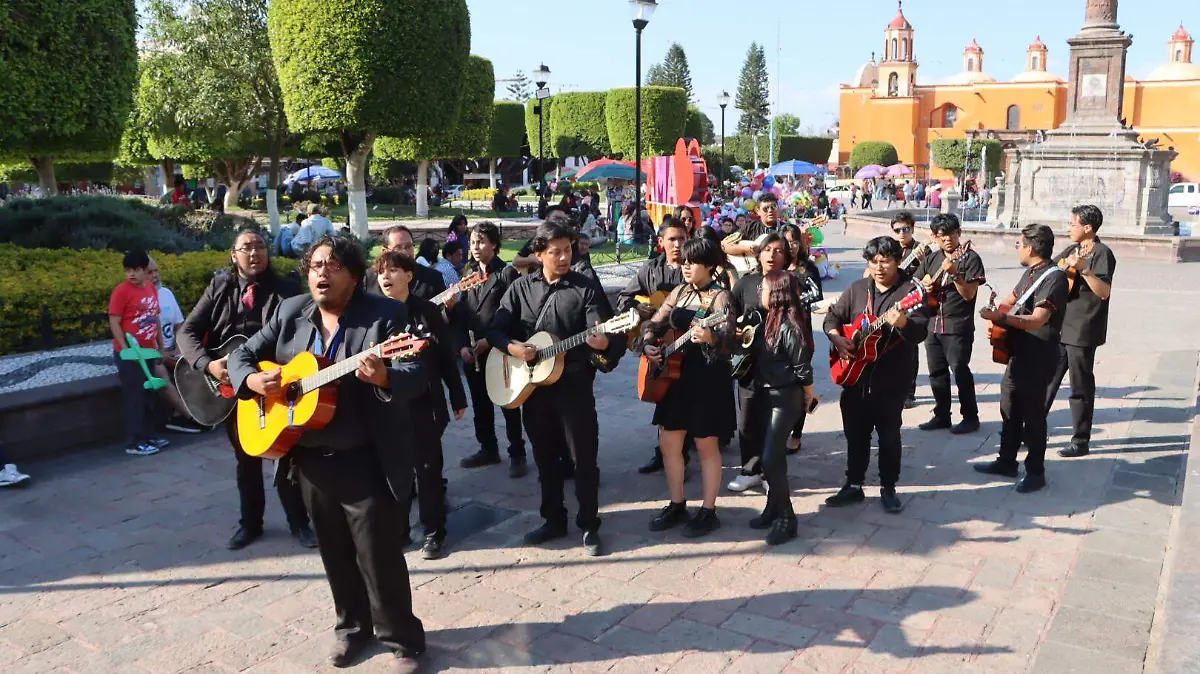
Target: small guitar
x=207, y=400
x=742, y=360
x=936, y=280
x=510, y=381
x=654, y=380
x=465, y=283
x=744, y=264
x=655, y=299
x=864, y=333
x=1071, y=272
x=998, y=335
x=910, y=261
x=270, y=426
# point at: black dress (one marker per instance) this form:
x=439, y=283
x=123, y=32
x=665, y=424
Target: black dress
x=701, y=402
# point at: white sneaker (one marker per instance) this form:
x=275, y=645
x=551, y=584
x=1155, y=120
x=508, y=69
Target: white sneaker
x=744, y=482
x=144, y=449
x=10, y=476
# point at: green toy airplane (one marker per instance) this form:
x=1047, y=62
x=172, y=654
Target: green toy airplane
x=141, y=355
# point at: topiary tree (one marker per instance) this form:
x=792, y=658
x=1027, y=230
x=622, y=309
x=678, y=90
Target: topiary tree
x=507, y=136
x=699, y=126
x=579, y=127
x=539, y=147
x=950, y=154
x=873, y=152
x=739, y=150
x=66, y=83
x=664, y=115
x=362, y=68
x=813, y=149
x=464, y=137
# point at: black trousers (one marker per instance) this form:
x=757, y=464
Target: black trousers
x=253, y=495
x=1023, y=410
x=358, y=524
x=1080, y=361
x=751, y=427
x=783, y=408
x=561, y=420
x=431, y=487
x=865, y=411
x=951, y=354
x=484, y=412
x=916, y=359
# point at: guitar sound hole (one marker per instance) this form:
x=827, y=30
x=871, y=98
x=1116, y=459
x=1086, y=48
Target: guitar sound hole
x=293, y=392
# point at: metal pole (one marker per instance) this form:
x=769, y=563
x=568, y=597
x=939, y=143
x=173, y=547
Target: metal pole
x=541, y=169
x=721, y=175
x=637, y=123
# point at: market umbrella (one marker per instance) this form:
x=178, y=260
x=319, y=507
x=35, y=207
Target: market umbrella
x=869, y=171
x=897, y=170
x=606, y=168
x=315, y=172
x=795, y=167
x=566, y=173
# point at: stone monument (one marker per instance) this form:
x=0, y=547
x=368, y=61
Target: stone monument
x=1093, y=157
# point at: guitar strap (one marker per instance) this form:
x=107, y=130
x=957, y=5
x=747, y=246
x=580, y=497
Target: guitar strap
x=1036, y=284
x=545, y=308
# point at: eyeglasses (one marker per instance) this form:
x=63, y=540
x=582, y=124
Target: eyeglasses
x=903, y=230
x=330, y=265
x=246, y=250
x=1020, y=243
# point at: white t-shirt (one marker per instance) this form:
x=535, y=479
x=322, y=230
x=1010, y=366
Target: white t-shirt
x=170, y=314
x=320, y=225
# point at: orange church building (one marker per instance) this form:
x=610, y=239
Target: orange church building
x=885, y=102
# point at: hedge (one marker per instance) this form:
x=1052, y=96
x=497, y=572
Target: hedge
x=461, y=137
x=579, y=127
x=508, y=130
x=664, y=114
x=30, y=277
x=951, y=154
x=739, y=150
x=813, y=149
x=531, y=128
x=486, y=194
x=873, y=152
x=65, y=172
x=368, y=65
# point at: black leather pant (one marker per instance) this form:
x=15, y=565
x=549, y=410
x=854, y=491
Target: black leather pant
x=782, y=408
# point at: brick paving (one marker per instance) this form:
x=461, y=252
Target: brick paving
x=117, y=564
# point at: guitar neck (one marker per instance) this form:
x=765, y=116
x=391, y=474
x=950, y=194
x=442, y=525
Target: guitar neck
x=569, y=343
x=687, y=335
x=444, y=296
x=337, y=370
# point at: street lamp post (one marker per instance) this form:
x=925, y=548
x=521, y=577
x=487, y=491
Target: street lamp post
x=543, y=74
x=722, y=100
x=642, y=11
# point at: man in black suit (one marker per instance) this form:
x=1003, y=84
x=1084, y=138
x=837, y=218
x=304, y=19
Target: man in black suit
x=239, y=302
x=356, y=473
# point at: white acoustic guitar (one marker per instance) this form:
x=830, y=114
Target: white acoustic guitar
x=744, y=264
x=510, y=381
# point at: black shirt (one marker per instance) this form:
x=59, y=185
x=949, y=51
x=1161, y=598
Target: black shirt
x=565, y=308
x=439, y=358
x=474, y=313
x=1051, y=293
x=653, y=276
x=747, y=295
x=1086, y=317
x=955, y=315
x=894, y=369
x=905, y=251
x=755, y=229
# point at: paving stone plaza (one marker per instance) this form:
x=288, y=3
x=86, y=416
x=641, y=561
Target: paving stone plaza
x=116, y=564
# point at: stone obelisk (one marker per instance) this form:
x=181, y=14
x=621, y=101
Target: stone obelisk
x=1093, y=158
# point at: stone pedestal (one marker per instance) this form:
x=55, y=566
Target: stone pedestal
x=951, y=199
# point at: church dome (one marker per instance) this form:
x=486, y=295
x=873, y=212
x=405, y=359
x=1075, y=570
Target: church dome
x=1038, y=44
x=1175, y=72
x=900, y=23
x=1037, y=76
x=1181, y=35
x=868, y=75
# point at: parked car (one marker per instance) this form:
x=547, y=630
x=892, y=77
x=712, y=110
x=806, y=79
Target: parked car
x=1184, y=195
x=455, y=191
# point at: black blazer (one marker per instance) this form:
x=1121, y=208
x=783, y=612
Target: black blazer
x=440, y=358
x=479, y=304
x=212, y=320
x=367, y=320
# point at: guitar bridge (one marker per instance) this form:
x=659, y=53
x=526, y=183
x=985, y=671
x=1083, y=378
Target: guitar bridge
x=262, y=413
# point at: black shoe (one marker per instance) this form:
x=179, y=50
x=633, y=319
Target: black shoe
x=591, y=543
x=705, y=521
x=432, y=548
x=345, y=651
x=998, y=467
x=1073, y=451
x=783, y=529
x=965, y=426
x=765, y=519
x=671, y=515
x=517, y=467
x=243, y=537
x=910, y=403
x=480, y=459
x=847, y=495
x=406, y=663
x=891, y=502
x=304, y=534
x=1031, y=483
x=935, y=424
x=654, y=465
x=545, y=533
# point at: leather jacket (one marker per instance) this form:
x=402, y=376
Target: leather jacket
x=788, y=363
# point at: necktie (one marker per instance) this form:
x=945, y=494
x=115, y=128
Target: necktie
x=248, y=296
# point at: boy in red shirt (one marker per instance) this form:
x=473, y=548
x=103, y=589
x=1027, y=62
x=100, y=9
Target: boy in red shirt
x=133, y=309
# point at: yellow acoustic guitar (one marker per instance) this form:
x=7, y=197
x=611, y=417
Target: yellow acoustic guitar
x=269, y=427
x=633, y=338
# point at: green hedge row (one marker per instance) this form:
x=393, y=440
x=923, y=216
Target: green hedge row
x=531, y=128
x=873, y=152
x=508, y=130
x=579, y=127
x=664, y=115
x=951, y=154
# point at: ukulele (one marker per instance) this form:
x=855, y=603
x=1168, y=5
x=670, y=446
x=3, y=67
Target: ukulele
x=510, y=381
x=865, y=333
x=269, y=426
x=465, y=283
x=654, y=380
x=1083, y=254
x=998, y=335
x=936, y=280
x=208, y=401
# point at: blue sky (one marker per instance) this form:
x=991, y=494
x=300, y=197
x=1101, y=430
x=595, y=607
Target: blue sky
x=589, y=44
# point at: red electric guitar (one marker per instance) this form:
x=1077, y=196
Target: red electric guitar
x=937, y=279
x=864, y=333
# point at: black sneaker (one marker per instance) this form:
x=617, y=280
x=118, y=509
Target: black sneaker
x=847, y=495
x=592, y=543
x=671, y=515
x=998, y=467
x=782, y=530
x=480, y=459
x=910, y=403
x=181, y=424
x=935, y=424
x=654, y=465
x=304, y=534
x=432, y=547
x=1073, y=451
x=1031, y=483
x=243, y=537
x=517, y=467
x=545, y=533
x=705, y=521
x=765, y=519
x=965, y=426
x=891, y=502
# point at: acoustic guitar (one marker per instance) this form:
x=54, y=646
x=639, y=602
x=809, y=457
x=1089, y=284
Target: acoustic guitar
x=909, y=263
x=937, y=279
x=269, y=427
x=510, y=381
x=207, y=400
x=654, y=380
x=865, y=333
x=745, y=264
x=1071, y=272
x=998, y=335
x=656, y=299
x=473, y=280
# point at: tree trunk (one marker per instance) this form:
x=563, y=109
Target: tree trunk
x=273, y=176
x=168, y=169
x=423, y=189
x=150, y=178
x=356, y=149
x=492, y=173
x=45, y=170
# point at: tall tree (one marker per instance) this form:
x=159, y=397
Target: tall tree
x=672, y=72
x=753, y=94
x=518, y=88
x=787, y=124
x=361, y=68
x=66, y=83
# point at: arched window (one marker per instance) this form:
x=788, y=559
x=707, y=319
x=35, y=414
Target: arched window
x=1179, y=56
x=1036, y=61
x=1014, y=118
x=893, y=84
x=895, y=49
x=904, y=48
x=951, y=115
x=971, y=65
